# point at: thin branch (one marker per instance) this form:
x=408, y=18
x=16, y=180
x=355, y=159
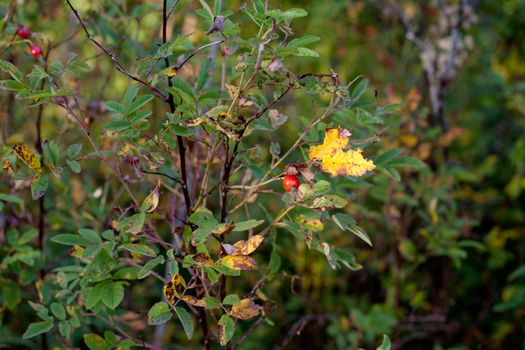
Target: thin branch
x=196, y=51
x=119, y=65
x=299, y=326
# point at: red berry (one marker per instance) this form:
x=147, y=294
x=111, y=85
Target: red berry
x=23, y=32
x=289, y=182
x=36, y=51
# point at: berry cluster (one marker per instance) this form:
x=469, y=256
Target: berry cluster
x=25, y=33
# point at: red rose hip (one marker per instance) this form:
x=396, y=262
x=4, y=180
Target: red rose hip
x=36, y=51
x=290, y=182
x=23, y=32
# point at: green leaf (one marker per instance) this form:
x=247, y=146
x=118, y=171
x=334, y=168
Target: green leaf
x=90, y=235
x=406, y=162
x=74, y=166
x=70, y=239
x=180, y=86
x=27, y=236
x=11, y=293
x=288, y=14
x=127, y=273
x=226, y=329
x=39, y=186
x=150, y=265
x=58, y=311
x=11, y=199
x=92, y=296
x=141, y=249
x=207, y=8
x=51, y=152
x=95, y=342
x=159, y=313
x=246, y=225
x=186, y=320
x=111, y=293
x=212, y=303
x=130, y=95
x=359, y=89
x=114, y=106
x=37, y=328
x=141, y=101
x=386, y=344
x=12, y=70
x=64, y=327
x=118, y=125
x=347, y=223
x=305, y=52
x=259, y=6
x=347, y=259
x=231, y=299
x=74, y=150
x=302, y=41
x=392, y=153
x=329, y=201
x=133, y=224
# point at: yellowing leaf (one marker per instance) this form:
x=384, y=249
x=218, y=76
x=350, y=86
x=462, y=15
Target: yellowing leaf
x=7, y=167
x=224, y=229
x=174, y=288
x=232, y=90
x=249, y=246
x=223, y=115
x=245, y=309
x=311, y=223
x=151, y=202
x=24, y=153
x=193, y=301
x=336, y=161
x=203, y=259
x=239, y=262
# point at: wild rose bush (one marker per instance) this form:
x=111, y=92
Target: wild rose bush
x=152, y=212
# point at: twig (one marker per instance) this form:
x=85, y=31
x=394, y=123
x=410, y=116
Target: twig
x=299, y=326
x=119, y=65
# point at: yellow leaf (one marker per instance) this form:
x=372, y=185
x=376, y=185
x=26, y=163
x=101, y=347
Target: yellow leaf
x=24, y=153
x=239, y=262
x=347, y=163
x=336, y=161
x=245, y=309
x=334, y=141
x=249, y=246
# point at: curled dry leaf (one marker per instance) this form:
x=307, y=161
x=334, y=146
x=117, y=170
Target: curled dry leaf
x=27, y=156
x=245, y=309
x=193, y=301
x=239, y=262
x=247, y=247
x=224, y=229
